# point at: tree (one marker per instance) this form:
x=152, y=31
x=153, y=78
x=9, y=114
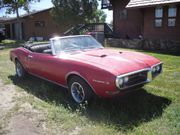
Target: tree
x=68, y=13
x=13, y=6
x=98, y=17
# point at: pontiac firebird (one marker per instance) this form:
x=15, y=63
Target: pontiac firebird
x=85, y=67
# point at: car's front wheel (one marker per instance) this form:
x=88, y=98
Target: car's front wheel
x=20, y=71
x=79, y=89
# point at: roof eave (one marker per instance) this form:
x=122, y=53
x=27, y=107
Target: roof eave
x=150, y=5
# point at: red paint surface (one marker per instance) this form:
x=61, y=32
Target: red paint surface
x=101, y=64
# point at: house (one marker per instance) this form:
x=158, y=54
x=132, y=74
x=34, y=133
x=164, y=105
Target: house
x=39, y=24
x=149, y=19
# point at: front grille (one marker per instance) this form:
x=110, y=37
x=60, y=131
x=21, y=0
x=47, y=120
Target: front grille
x=137, y=78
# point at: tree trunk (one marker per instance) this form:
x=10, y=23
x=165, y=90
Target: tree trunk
x=19, y=28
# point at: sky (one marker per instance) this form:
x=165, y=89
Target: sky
x=44, y=4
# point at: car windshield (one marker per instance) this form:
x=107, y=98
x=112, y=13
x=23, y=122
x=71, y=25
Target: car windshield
x=71, y=44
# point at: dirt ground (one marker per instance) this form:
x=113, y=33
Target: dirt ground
x=17, y=118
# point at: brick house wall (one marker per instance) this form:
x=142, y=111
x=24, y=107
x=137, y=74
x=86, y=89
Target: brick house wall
x=131, y=26
x=164, y=32
x=141, y=21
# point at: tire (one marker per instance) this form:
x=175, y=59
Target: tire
x=79, y=89
x=20, y=71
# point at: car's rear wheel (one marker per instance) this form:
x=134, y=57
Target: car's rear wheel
x=79, y=89
x=20, y=71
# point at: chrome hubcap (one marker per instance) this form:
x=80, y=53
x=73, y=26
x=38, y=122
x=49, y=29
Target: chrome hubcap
x=18, y=69
x=77, y=92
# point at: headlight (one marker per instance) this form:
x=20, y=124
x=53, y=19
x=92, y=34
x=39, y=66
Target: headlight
x=156, y=70
x=149, y=76
x=120, y=82
x=126, y=79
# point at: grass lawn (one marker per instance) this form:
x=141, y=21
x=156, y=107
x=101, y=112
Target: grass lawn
x=155, y=109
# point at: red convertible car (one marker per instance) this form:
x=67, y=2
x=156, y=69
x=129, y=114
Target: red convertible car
x=82, y=65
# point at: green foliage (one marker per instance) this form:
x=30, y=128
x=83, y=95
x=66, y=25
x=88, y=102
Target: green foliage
x=154, y=110
x=98, y=17
x=68, y=13
x=13, y=5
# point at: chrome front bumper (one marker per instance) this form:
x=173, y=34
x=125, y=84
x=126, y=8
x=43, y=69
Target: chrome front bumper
x=139, y=77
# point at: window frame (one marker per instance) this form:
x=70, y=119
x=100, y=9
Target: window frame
x=39, y=24
x=173, y=17
x=158, y=17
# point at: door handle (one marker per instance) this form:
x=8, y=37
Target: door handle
x=30, y=56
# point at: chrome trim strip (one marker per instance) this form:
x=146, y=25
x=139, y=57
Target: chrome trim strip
x=157, y=64
x=52, y=47
x=48, y=80
x=134, y=72
x=102, y=82
x=62, y=37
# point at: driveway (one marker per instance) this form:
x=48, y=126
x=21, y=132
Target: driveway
x=17, y=118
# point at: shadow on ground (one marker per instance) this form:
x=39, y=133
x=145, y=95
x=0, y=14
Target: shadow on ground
x=124, y=112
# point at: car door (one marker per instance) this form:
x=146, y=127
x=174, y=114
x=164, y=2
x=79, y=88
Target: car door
x=49, y=67
x=24, y=57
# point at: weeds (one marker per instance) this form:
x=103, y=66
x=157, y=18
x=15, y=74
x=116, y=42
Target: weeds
x=152, y=110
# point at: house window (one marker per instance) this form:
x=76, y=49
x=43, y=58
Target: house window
x=123, y=14
x=172, y=12
x=158, y=16
x=171, y=22
x=158, y=22
x=39, y=24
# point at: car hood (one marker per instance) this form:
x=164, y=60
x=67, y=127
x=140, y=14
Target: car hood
x=116, y=62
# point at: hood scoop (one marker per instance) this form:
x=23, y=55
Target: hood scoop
x=104, y=55
x=96, y=55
